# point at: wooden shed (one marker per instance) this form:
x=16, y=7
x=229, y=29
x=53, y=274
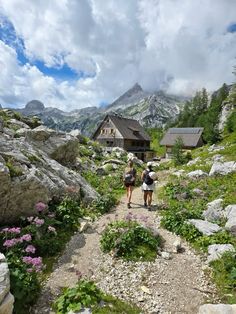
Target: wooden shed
x=191, y=137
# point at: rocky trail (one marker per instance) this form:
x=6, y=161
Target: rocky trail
x=173, y=283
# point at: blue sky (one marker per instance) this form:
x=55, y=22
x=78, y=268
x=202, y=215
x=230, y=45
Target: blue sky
x=74, y=54
x=60, y=72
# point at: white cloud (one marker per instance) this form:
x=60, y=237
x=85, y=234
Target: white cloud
x=181, y=45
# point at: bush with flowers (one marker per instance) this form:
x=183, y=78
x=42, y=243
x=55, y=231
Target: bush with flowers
x=39, y=236
x=130, y=240
x=24, y=265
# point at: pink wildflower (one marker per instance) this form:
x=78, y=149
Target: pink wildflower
x=14, y=230
x=40, y=207
x=26, y=237
x=30, y=249
x=36, y=262
x=10, y=243
x=38, y=222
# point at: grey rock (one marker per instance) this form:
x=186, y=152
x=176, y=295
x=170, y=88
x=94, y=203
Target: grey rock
x=166, y=255
x=9, y=132
x=205, y=227
x=217, y=309
x=215, y=251
x=6, y=307
x=218, y=158
x=222, y=168
x=214, y=210
x=41, y=133
x=18, y=124
x=39, y=181
x=197, y=174
x=215, y=148
x=230, y=214
x=193, y=162
x=198, y=192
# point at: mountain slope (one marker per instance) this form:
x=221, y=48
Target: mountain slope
x=150, y=109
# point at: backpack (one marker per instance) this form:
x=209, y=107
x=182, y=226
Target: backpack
x=147, y=179
x=129, y=177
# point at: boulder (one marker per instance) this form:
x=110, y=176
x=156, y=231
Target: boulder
x=6, y=307
x=217, y=309
x=16, y=124
x=214, y=210
x=6, y=298
x=230, y=215
x=222, y=168
x=193, y=162
x=40, y=179
x=215, y=148
x=218, y=158
x=215, y=251
x=41, y=133
x=197, y=174
x=207, y=228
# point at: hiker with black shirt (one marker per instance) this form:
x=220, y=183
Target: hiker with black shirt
x=148, y=185
x=129, y=181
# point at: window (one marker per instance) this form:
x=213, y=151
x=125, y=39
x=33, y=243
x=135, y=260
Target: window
x=112, y=131
x=109, y=143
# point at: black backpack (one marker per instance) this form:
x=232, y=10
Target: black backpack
x=129, y=177
x=147, y=179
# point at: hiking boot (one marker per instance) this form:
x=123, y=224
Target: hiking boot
x=128, y=205
x=145, y=204
x=149, y=208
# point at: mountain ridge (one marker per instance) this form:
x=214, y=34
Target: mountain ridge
x=150, y=109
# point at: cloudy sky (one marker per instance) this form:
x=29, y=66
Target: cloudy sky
x=77, y=53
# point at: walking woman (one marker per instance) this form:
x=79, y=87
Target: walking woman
x=147, y=186
x=129, y=181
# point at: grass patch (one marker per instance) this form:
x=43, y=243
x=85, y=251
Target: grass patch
x=224, y=275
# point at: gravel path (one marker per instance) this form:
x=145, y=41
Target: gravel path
x=175, y=285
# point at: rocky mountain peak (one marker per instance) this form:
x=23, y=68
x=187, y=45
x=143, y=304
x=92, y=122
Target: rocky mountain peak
x=34, y=105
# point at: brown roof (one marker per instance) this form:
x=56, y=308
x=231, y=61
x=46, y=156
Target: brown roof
x=190, y=136
x=129, y=128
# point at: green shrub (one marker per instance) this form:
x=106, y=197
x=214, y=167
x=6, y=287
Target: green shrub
x=130, y=240
x=69, y=211
x=15, y=171
x=25, y=285
x=86, y=295
x=103, y=204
